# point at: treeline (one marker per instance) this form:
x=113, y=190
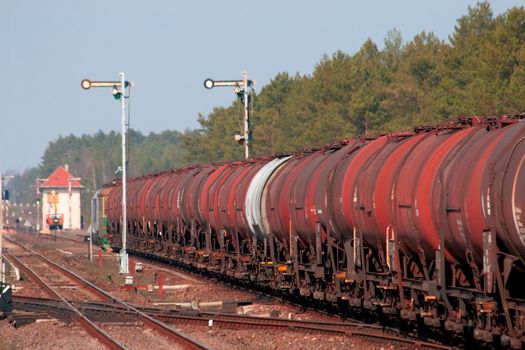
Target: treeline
x=97, y=160
x=479, y=70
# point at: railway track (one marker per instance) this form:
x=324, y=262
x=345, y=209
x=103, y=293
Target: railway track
x=75, y=313
x=105, y=312
x=108, y=312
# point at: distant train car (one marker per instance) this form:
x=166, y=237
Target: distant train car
x=99, y=222
x=426, y=227
x=55, y=221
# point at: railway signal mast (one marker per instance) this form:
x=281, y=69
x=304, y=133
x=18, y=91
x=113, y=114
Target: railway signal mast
x=119, y=89
x=4, y=195
x=242, y=89
x=71, y=179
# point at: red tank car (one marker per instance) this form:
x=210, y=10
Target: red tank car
x=151, y=206
x=279, y=197
x=193, y=193
x=235, y=190
x=210, y=195
x=427, y=227
x=302, y=198
x=505, y=200
x=321, y=184
x=165, y=192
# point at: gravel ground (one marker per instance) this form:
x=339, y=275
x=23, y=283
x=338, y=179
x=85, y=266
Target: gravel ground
x=140, y=338
x=46, y=335
x=103, y=271
x=259, y=339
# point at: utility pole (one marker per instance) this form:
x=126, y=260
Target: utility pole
x=2, y=264
x=242, y=89
x=71, y=179
x=38, y=218
x=246, y=115
x=2, y=228
x=119, y=93
x=123, y=253
x=37, y=223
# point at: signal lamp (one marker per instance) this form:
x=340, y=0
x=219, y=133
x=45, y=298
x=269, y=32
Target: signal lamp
x=209, y=84
x=239, y=139
x=239, y=91
x=116, y=93
x=86, y=84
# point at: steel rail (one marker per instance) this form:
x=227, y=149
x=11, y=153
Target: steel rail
x=251, y=322
x=182, y=339
x=284, y=324
x=97, y=292
x=90, y=327
x=348, y=328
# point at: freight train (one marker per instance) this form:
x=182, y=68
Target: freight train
x=425, y=227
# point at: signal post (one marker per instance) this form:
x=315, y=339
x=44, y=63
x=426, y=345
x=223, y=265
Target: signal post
x=119, y=89
x=242, y=89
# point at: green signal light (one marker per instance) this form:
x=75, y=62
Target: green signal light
x=116, y=93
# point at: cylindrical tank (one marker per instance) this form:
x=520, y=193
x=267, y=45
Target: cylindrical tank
x=152, y=193
x=302, y=197
x=211, y=189
x=164, y=191
x=364, y=211
x=505, y=203
x=457, y=196
x=133, y=187
x=205, y=202
x=342, y=196
x=278, y=196
x=404, y=201
x=321, y=184
x=179, y=203
x=237, y=210
x=386, y=177
x=114, y=203
x=226, y=196
x=193, y=192
x=452, y=183
x=429, y=179
x=146, y=211
x=254, y=197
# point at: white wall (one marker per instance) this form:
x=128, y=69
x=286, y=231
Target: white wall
x=62, y=208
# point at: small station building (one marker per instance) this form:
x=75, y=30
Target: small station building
x=60, y=197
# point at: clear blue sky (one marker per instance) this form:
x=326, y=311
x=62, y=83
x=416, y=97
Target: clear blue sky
x=168, y=48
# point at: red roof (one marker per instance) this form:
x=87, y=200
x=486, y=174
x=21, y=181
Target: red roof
x=60, y=178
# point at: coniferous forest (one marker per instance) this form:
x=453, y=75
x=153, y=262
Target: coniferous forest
x=479, y=69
